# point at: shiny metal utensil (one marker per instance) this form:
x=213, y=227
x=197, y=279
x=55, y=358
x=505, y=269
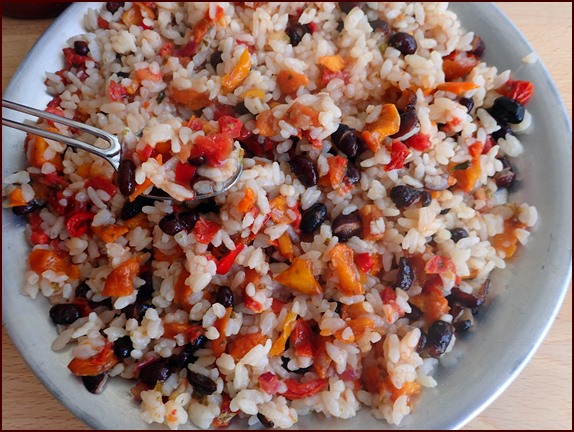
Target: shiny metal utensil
x=112, y=153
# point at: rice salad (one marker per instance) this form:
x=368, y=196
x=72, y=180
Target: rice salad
x=357, y=245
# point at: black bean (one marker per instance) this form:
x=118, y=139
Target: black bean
x=444, y=211
x=504, y=130
x=81, y=48
x=137, y=309
x=174, y=223
x=82, y=290
x=225, y=296
x=145, y=292
x=65, y=313
x=201, y=383
x=404, y=196
x=215, y=59
x=133, y=208
x=381, y=26
x=415, y=314
x=505, y=178
x=458, y=233
x=296, y=33
x=207, y=206
x=462, y=326
x=338, y=308
x=127, y=177
x=352, y=175
x=171, y=224
x=347, y=226
x=407, y=101
x=403, y=42
x=345, y=139
x=478, y=47
x=114, y=6
x=305, y=170
x=198, y=343
x=155, y=372
x=455, y=307
x=468, y=103
x=347, y=7
x=426, y=198
x=507, y=110
x=198, y=161
x=183, y=358
x=107, y=303
x=95, y=384
x=313, y=218
x=189, y=219
x=285, y=362
x=268, y=424
x=409, y=126
x=123, y=347
x=465, y=299
x=405, y=275
x=24, y=210
x=439, y=337
x=422, y=343
x=241, y=109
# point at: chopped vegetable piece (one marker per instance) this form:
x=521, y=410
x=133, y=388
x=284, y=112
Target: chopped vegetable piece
x=41, y=260
x=110, y=233
x=205, y=230
x=245, y=343
x=343, y=263
x=241, y=70
x=467, y=176
x=299, y=390
x=387, y=124
x=290, y=81
x=247, y=202
x=120, y=282
x=299, y=277
x=95, y=365
x=334, y=63
x=399, y=154
x=458, y=87
x=520, y=91
x=219, y=345
x=191, y=98
x=78, y=223
x=285, y=246
x=225, y=263
x=301, y=339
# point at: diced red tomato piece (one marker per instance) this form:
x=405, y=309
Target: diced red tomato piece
x=104, y=184
x=205, y=230
x=117, y=92
x=301, y=339
x=102, y=23
x=74, y=60
x=420, y=142
x=227, y=261
x=269, y=383
x=230, y=126
x=39, y=237
x=184, y=173
x=399, y=153
x=78, y=223
x=96, y=365
x=364, y=261
x=215, y=148
x=226, y=415
x=520, y=91
x=299, y=390
x=439, y=264
x=457, y=65
x=388, y=295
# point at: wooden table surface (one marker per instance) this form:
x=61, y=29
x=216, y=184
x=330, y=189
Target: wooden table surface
x=540, y=398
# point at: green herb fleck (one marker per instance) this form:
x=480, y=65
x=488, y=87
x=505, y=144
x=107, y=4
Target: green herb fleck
x=461, y=166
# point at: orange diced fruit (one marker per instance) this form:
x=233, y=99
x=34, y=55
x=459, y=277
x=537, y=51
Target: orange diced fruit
x=342, y=260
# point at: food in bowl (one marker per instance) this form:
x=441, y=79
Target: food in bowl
x=356, y=246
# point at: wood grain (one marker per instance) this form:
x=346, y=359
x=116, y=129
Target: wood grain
x=540, y=398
